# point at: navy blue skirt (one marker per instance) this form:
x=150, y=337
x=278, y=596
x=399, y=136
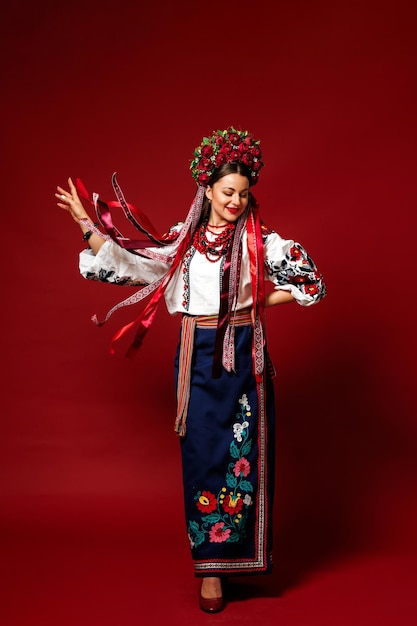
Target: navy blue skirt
x=228, y=462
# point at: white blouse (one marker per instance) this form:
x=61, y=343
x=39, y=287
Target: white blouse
x=195, y=286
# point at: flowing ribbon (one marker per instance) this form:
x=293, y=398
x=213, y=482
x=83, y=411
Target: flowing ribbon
x=141, y=222
x=256, y=263
x=145, y=319
x=133, y=214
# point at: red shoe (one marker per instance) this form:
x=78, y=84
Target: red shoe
x=211, y=605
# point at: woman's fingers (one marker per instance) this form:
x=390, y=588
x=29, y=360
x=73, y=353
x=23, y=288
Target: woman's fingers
x=70, y=201
x=61, y=192
x=60, y=195
x=71, y=194
x=73, y=189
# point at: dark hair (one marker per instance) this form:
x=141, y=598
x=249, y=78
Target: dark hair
x=219, y=172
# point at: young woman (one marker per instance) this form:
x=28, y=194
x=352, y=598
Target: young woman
x=211, y=269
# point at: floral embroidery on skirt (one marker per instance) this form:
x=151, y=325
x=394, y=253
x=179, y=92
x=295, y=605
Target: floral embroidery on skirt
x=228, y=462
x=225, y=515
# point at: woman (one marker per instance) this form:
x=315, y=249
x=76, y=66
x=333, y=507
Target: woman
x=211, y=270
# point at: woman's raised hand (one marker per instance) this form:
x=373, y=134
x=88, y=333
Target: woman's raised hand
x=70, y=201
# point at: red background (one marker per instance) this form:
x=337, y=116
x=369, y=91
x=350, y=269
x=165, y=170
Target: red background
x=87, y=442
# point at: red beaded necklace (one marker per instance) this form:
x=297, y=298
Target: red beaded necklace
x=215, y=249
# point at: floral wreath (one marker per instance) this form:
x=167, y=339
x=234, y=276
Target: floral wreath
x=226, y=146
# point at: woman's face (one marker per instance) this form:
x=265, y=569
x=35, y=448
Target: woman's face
x=229, y=198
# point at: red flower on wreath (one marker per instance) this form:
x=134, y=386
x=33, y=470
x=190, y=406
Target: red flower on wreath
x=204, y=163
x=232, y=504
x=207, y=502
x=247, y=159
x=220, y=159
x=207, y=150
x=203, y=179
x=225, y=149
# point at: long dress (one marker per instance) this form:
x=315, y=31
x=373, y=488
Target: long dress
x=228, y=447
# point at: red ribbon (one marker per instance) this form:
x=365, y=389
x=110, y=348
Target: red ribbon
x=147, y=316
x=137, y=217
x=256, y=263
x=142, y=223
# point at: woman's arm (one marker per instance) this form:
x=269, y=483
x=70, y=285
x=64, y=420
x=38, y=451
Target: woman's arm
x=290, y=268
x=70, y=201
x=278, y=297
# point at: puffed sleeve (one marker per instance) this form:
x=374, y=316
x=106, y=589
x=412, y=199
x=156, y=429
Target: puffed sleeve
x=289, y=266
x=113, y=264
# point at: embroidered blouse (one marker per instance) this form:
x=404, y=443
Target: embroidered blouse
x=195, y=286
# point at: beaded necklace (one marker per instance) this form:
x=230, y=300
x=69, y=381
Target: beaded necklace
x=215, y=249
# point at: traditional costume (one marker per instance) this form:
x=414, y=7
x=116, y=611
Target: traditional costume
x=225, y=413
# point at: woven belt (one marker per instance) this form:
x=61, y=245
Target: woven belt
x=189, y=324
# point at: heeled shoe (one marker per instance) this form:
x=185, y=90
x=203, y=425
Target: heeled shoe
x=211, y=605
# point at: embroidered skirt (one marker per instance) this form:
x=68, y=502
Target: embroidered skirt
x=227, y=457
